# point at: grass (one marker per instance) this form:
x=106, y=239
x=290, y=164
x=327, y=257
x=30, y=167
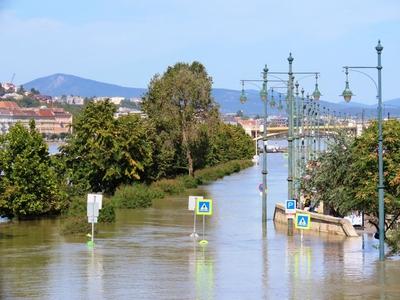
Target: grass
x=135, y=196
x=75, y=220
x=140, y=195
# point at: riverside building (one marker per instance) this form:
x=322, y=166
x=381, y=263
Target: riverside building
x=48, y=120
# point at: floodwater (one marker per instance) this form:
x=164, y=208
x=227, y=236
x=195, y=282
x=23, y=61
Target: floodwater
x=148, y=254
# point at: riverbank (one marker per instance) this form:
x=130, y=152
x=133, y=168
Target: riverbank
x=141, y=195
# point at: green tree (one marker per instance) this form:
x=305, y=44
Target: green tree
x=34, y=91
x=21, y=90
x=178, y=102
x=29, y=102
x=104, y=152
x=228, y=142
x=364, y=170
x=28, y=186
x=328, y=179
x=346, y=177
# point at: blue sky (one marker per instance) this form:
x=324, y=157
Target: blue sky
x=127, y=41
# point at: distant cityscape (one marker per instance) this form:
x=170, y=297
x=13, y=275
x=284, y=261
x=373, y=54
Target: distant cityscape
x=52, y=121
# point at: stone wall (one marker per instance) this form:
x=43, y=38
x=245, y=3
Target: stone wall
x=319, y=222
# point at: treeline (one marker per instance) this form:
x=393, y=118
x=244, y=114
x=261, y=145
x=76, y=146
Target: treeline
x=345, y=178
x=179, y=133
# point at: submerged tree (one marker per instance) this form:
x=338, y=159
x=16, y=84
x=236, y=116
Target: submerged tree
x=28, y=185
x=364, y=170
x=327, y=180
x=104, y=152
x=178, y=102
x=346, y=177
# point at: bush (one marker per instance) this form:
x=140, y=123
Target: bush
x=77, y=207
x=393, y=240
x=211, y=174
x=169, y=186
x=107, y=213
x=141, y=196
x=135, y=196
x=76, y=225
x=76, y=220
x=188, y=182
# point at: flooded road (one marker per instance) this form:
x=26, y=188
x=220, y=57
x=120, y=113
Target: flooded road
x=148, y=254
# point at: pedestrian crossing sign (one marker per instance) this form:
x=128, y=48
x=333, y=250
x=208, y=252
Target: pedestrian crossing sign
x=204, y=207
x=303, y=221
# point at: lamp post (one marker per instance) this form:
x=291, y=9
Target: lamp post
x=313, y=129
x=347, y=94
x=316, y=96
x=303, y=155
x=263, y=96
x=297, y=152
x=290, y=106
x=291, y=121
x=290, y=129
x=308, y=139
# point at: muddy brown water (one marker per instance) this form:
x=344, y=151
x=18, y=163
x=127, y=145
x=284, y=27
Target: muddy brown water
x=148, y=254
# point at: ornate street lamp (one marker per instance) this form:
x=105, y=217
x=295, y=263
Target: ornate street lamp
x=316, y=94
x=291, y=109
x=347, y=94
x=272, y=102
x=263, y=96
x=243, y=98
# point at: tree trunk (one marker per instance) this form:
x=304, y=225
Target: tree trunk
x=190, y=162
x=188, y=153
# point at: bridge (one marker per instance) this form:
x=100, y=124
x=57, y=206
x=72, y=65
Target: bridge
x=327, y=129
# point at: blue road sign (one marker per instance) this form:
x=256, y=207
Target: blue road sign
x=204, y=207
x=290, y=206
x=303, y=221
x=260, y=187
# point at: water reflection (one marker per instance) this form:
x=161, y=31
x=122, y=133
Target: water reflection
x=148, y=254
x=95, y=274
x=204, y=273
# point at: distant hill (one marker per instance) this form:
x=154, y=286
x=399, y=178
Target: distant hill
x=64, y=84
x=393, y=102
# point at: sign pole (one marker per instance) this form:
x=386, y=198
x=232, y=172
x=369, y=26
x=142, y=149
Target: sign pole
x=303, y=222
x=290, y=227
x=194, y=223
x=192, y=206
x=203, y=208
x=290, y=209
x=204, y=225
x=94, y=203
x=301, y=236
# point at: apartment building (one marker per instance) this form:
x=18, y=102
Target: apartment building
x=48, y=120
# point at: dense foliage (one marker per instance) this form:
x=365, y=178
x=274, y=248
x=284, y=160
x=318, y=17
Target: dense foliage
x=28, y=185
x=104, y=152
x=179, y=102
x=142, y=195
x=137, y=158
x=328, y=180
x=346, y=177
